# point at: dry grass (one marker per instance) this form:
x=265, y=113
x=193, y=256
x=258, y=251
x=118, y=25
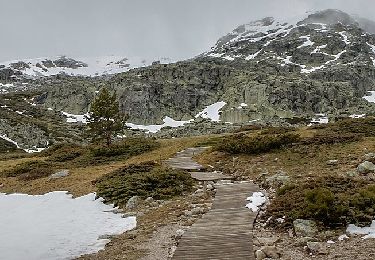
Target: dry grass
x=297, y=163
x=79, y=181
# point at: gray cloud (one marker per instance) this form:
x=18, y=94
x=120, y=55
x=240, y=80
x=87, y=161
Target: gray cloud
x=144, y=28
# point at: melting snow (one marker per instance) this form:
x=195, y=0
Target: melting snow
x=156, y=128
x=317, y=50
x=357, y=116
x=242, y=105
x=71, y=118
x=253, y=56
x=212, y=112
x=256, y=200
x=345, y=37
x=372, y=47
x=95, y=66
x=371, y=97
x=369, y=232
x=336, y=57
x=56, y=226
x=29, y=150
x=4, y=87
x=307, y=43
x=320, y=119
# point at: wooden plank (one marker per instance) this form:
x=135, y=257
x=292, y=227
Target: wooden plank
x=225, y=232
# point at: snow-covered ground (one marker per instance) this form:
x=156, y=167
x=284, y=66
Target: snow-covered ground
x=370, y=97
x=368, y=232
x=320, y=119
x=156, y=128
x=255, y=201
x=212, y=111
x=95, y=66
x=29, y=150
x=71, y=118
x=56, y=226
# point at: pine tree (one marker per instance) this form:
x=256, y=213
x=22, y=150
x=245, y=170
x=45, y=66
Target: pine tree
x=104, y=120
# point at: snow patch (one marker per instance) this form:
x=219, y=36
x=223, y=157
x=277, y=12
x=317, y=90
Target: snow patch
x=357, y=116
x=370, y=98
x=345, y=37
x=242, y=105
x=256, y=200
x=253, y=56
x=91, y=66
x=320, y=119
x=29, y=150
x=212, y=111
x=56, y=226
x=307, y=43
x=317, y=49
x=168, y=122
x=369, y=232
x=71, y=118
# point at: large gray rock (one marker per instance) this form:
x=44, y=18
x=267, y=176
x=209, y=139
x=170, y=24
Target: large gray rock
x=305, y=228
x=133, y=203
x=366, y=167
x=278, y=180
x=317, y=248
x=369, y=156
x=271, y=252
x=260, y=255
x=60, y=174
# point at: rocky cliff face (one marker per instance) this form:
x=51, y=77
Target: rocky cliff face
x=323, y=63
x=267, y=70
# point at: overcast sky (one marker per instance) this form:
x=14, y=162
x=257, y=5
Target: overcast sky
x=142, y=28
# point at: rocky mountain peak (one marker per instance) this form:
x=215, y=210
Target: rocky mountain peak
x=320, y=41
x=330, y=17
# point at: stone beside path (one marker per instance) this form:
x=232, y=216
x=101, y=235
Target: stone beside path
x=225, y=232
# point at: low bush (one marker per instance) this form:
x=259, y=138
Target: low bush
x=331, y=138
x=6, y=147
x=332, y=201
x=276, y=130
x=247, y=128
x=128, y=147
x=236, y=144
x=363, y=126
x=144, y=180
x=65, y=153
x=30, y=170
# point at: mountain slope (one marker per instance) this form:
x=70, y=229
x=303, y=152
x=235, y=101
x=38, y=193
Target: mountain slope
x=276, y=69
x=75, y=67
x=319, y=66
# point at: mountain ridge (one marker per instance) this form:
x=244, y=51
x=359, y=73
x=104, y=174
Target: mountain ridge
x=268, y=72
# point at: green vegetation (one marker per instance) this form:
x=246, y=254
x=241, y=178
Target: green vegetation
x=144, y=180
x=98, y=154
x=362, y=126
x=240, y=143
x=6, y=147
x=332, y=201
x=67, y=155
x=30, y=170
x=105, y=120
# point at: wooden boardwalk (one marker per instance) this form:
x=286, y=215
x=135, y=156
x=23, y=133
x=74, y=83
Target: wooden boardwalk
x=225, y=232
x=183, y=160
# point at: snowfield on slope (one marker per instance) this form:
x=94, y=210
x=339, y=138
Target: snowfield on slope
x=211, y=112
x=28, y=150
x=56, y=226
x=371, y=97
x=91, y=67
